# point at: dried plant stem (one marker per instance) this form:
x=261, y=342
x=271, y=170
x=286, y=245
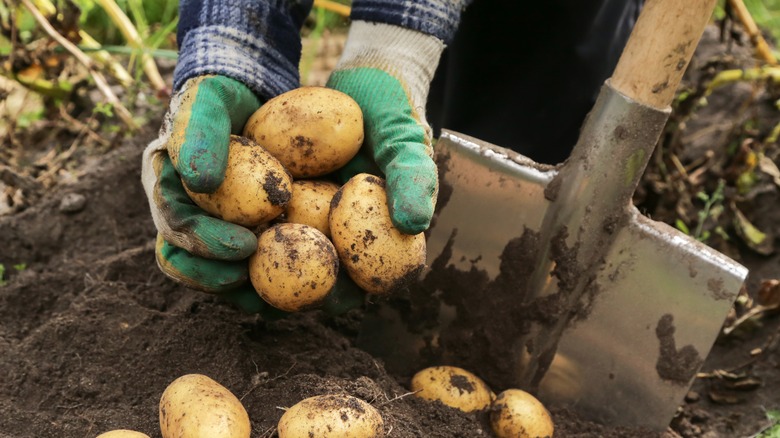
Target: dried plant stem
x=48, y=9
x=333, y=7
x=86, y=61
x=115, y=68
x=764, y=52
x=134, y=40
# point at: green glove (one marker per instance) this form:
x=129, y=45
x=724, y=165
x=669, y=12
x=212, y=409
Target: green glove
x=387, y=70
x=193, y=248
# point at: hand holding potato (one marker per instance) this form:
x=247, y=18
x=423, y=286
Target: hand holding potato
x=194, y=248
x=387, y=70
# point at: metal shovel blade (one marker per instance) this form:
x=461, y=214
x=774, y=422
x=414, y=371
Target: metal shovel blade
x=631, y=342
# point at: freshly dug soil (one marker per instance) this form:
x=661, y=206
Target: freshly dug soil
x=92, y=333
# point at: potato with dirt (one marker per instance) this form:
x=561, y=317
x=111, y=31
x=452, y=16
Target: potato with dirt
x=195, y=406
x=294, y=268
x=516, y=413
x=310, y=204
x=375, y=254
x=122, y=433
x=255, y=190
x=331, y=416
x=312, y=130
x=452, y=386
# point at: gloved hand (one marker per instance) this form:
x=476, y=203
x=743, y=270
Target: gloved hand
x=388, y=69
x=193, y=248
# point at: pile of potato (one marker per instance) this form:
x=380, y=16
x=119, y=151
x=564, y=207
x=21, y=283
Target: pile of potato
x=513, y=413
x=276, y=183
x=195, y=406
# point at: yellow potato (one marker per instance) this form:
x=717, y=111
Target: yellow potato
x=122, y=433
x=195, y=406
x=310, y=204
x=454, y=387
x=378, y=257
x=294, y=268
x=311, y=130
x=331, y=416
x=518, y=414
x=256, y=188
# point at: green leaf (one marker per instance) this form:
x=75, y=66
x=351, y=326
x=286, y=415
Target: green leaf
x=682, y=227
x=3, y=282
x=757, y=240
x=20, y=267
x=773, y=430
x=104, y=108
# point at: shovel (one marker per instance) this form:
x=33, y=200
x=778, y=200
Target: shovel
x=549, y=279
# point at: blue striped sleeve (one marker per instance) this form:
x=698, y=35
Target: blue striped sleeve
x=439, y=18
x=256, y=42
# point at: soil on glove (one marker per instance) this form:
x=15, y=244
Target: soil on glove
x=91, y=332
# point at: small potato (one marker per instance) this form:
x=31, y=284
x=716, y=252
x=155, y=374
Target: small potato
x=516, y=413
x=294, y=268
x=331, y=416
x=311, y=130
x=255, y=190
x=195, y=406
x=378, y=257
x=310, y=204
x=122, y=433
x=454, y=387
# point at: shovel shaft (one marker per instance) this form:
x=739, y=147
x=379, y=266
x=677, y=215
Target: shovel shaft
x=590, y=197
x=659, y=49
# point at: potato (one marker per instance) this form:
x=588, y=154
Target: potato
x=256, y=188
x=454, y=387
x=311, y=130
x=378, y=257
x=516, y=413
x=337, y=416
x=294, y=268
x=122, y=433
x=310, y=204
x=195, y=406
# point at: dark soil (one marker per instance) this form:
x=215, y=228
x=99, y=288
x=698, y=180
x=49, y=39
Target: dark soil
x=91, y=332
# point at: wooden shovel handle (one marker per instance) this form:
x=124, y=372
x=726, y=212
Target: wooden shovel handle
x=659, y=49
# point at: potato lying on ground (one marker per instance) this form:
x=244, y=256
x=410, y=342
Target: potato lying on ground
x=195, y=406
x=311, y=130
x=378, y=257
x=122, y=433
x=256, y=188
x=331, y=416
x=294, y=268
x=310, y=204
x=454, y=387
x=516, y=413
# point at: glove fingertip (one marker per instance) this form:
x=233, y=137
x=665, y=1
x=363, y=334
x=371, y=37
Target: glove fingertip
x=202, y=168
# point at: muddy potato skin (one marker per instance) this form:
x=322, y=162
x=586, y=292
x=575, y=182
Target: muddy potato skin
x=311, y=130
x=310, y=204
x=516, y=413
x=378, y=257
x=454, y=387
x=256, y=188
x=122, y=433
x=294, y=268
x=195, y=406
x=331, y=416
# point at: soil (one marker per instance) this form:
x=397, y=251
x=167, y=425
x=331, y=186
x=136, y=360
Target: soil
x=91, y=332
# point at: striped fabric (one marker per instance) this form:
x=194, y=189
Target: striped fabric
x=438, y=18
x=258, y=41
